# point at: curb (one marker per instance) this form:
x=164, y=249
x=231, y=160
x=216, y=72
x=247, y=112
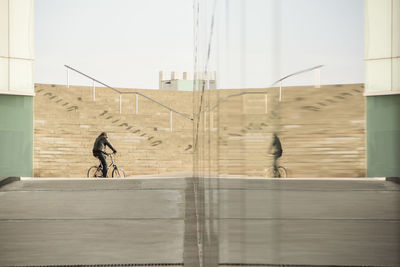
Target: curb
x=8, y=180
x=393, y=179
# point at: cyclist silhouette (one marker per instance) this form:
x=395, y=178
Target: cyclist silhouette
x=276, y=146
x=98, y=150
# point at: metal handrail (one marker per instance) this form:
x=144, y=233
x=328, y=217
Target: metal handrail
x=137, y=93
x=298, y=72
x=210, y=109
x=264, y=92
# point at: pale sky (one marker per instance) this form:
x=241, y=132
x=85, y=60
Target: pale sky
x=125, y=43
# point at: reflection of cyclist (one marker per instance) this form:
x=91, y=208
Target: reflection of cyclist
x=98, y=150
x=277, y=150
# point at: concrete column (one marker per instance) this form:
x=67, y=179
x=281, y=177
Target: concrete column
x=382, y=87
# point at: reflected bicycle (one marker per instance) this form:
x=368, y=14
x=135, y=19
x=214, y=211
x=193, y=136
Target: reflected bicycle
x=278, y=172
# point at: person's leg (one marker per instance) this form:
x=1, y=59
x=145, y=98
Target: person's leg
x=275, y=166
x=275, y=161
x=103, y=161
x=278, y=175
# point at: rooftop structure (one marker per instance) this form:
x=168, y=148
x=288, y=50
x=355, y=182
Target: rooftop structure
x=174, y=82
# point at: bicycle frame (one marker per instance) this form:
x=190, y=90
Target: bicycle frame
x=112, y=167
x=112, y=163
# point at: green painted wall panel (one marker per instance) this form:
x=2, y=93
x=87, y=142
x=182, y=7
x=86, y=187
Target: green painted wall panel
x=383, y=136
x=16, y=135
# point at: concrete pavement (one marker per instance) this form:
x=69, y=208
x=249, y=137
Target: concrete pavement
x=141, y=221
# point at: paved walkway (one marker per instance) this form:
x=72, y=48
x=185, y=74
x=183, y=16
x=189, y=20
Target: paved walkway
x=260, y=221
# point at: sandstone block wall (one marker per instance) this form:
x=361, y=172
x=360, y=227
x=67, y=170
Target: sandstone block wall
x=322, y=130
x=67, y=121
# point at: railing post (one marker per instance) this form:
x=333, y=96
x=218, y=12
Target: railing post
x=280, y=91
x=94, y=91
x=120, y=103
x=67, y=78
x=266, y=103
x=137, y=104
x=318, y=78
x=170, y=121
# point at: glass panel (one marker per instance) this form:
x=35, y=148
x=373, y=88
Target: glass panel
x=378, y=75
x=3, y=28
x=3, y=74
x=21, y=28
x=21, y=75
x=233, y=125
x=378, y=28
x=396, y=74
x=396, y=28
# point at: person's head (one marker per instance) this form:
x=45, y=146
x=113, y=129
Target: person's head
x=275, y=134
x=104, y=134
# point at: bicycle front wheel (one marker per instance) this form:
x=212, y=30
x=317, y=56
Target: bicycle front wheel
x=118, y=173
x=94, y=172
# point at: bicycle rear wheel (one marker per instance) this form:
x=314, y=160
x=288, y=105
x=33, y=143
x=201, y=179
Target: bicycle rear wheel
x=94, y=172
x=118, y=173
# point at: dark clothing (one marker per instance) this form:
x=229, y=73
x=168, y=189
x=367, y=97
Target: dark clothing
x=103, y=161
x=275, y=161
x=101, y=143
x=98, y=151
x=276, y=144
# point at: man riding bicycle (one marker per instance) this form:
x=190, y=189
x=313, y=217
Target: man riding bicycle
x=98, y=150
x=277, y=150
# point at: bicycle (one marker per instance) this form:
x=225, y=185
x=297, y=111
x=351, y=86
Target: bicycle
x=97, y=170
x=278, y=172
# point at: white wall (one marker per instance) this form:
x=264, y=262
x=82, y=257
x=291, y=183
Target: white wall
x=382, y=46
x=16, y=47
